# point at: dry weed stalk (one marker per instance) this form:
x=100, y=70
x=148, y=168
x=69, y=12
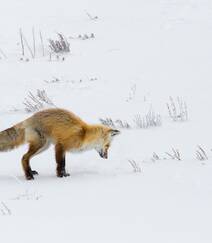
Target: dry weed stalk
x=38, y=101
x=91, y=17
x=151, y=119
x=201, y=154
x=135, y=165
x=178, y=110
x=155, y=157
x=175, y=154
x=5, y=209
x=61, y=45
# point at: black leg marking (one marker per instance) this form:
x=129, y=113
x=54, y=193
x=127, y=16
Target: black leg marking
x=60, y=159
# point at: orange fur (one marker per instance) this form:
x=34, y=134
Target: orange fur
x=61, y=128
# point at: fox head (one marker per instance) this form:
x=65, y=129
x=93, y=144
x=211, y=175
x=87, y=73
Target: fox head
x=104, y=139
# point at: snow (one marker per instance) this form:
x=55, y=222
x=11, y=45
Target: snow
x=161, y=48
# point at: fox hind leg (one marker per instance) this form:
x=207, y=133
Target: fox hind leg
x=33, y=149
x=60, y=160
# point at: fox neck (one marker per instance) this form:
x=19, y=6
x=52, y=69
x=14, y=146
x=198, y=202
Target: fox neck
x=92, y=137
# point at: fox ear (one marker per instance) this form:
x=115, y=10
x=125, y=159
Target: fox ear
x=114, y=132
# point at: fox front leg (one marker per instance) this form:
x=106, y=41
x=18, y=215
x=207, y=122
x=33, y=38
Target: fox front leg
x=60, y=160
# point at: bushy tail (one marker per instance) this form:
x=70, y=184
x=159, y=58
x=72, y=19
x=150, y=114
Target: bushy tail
x=12, y=137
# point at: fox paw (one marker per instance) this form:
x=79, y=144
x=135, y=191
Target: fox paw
x=63, y=174
x=34, y=172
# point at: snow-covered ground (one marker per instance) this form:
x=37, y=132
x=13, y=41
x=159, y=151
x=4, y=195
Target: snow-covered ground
x=143, y=52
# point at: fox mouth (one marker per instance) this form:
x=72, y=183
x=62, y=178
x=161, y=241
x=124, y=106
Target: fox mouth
x=103, y=154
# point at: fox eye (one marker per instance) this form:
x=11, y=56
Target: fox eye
x=107, y=146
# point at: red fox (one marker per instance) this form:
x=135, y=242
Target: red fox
x=61, y=128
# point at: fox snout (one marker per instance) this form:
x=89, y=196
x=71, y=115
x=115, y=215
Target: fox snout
x=103, y=148
x=103, y=154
